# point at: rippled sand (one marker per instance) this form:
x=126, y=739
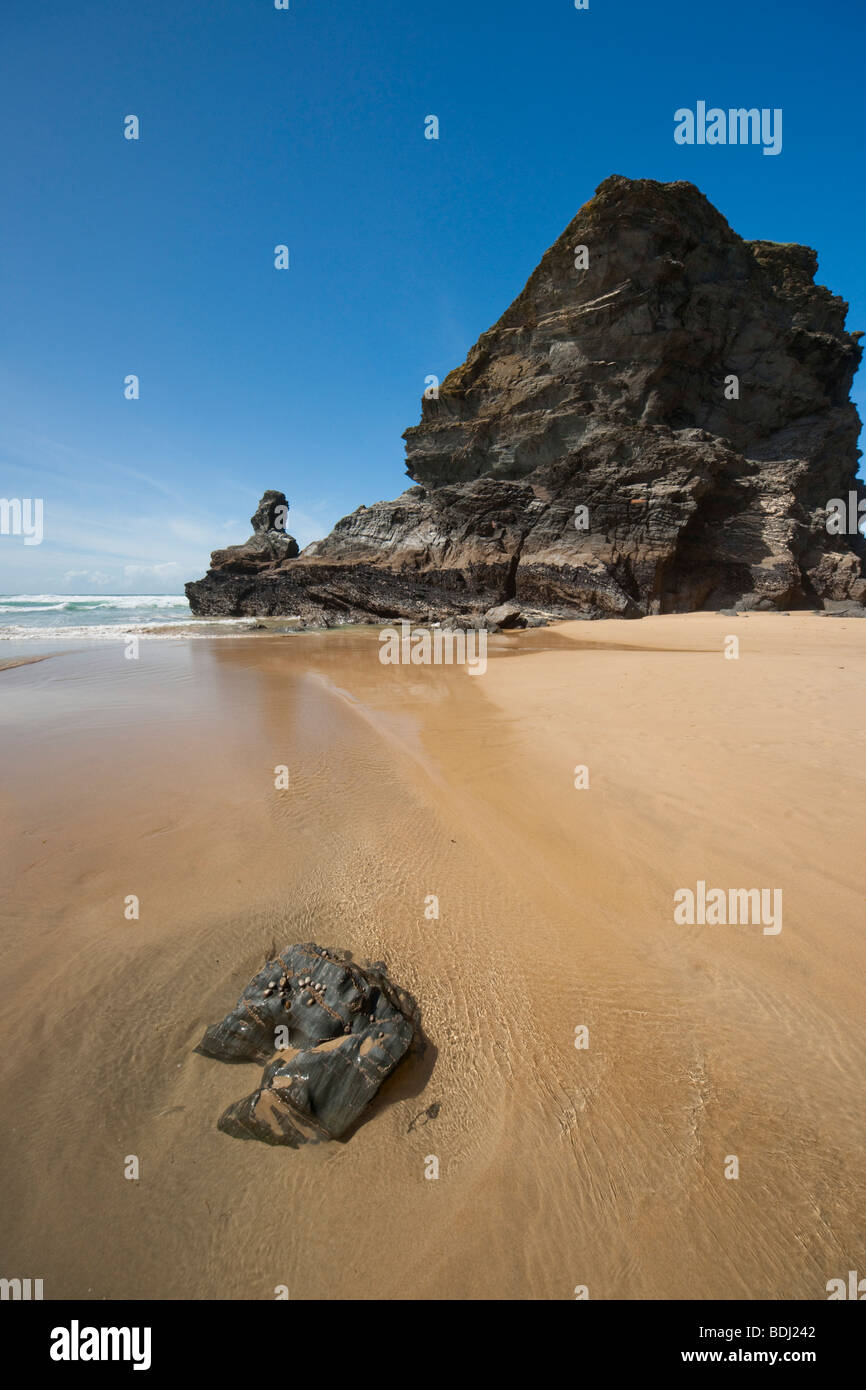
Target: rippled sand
x=558, y=1167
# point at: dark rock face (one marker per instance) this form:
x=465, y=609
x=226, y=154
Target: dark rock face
x=338, y=1030
x=586, y=459
x=269, y=545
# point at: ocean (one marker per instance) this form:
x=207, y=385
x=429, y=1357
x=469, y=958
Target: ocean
x=45, y=616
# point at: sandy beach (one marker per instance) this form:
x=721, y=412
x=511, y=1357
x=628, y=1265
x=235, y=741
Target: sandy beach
x=559, y=1166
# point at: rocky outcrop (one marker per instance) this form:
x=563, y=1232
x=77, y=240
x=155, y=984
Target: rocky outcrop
x=656, y=424
x=269, y=545
x=330, y=1030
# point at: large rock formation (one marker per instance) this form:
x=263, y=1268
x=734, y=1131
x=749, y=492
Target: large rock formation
x=330, y=1030
x=269, y=545
x=593, y=456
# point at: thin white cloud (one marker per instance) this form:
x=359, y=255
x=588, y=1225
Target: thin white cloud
x=96, y=579
x=134, y=574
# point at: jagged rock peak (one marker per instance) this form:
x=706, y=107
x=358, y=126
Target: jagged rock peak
x=670, y=302
x=659, y=422
x=271, y=513
x=270, y=544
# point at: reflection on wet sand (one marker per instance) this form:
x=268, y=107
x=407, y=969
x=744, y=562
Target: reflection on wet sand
x=557, y=1166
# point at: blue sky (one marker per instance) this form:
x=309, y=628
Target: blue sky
x=306, y=127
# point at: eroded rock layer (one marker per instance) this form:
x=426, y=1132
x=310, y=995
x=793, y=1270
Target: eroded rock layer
x=656, y=424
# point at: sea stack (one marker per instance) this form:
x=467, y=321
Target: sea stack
x=269, y=545
x=659, y=423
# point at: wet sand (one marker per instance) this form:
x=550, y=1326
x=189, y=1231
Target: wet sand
x=558, y=1167
x=8, y=663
